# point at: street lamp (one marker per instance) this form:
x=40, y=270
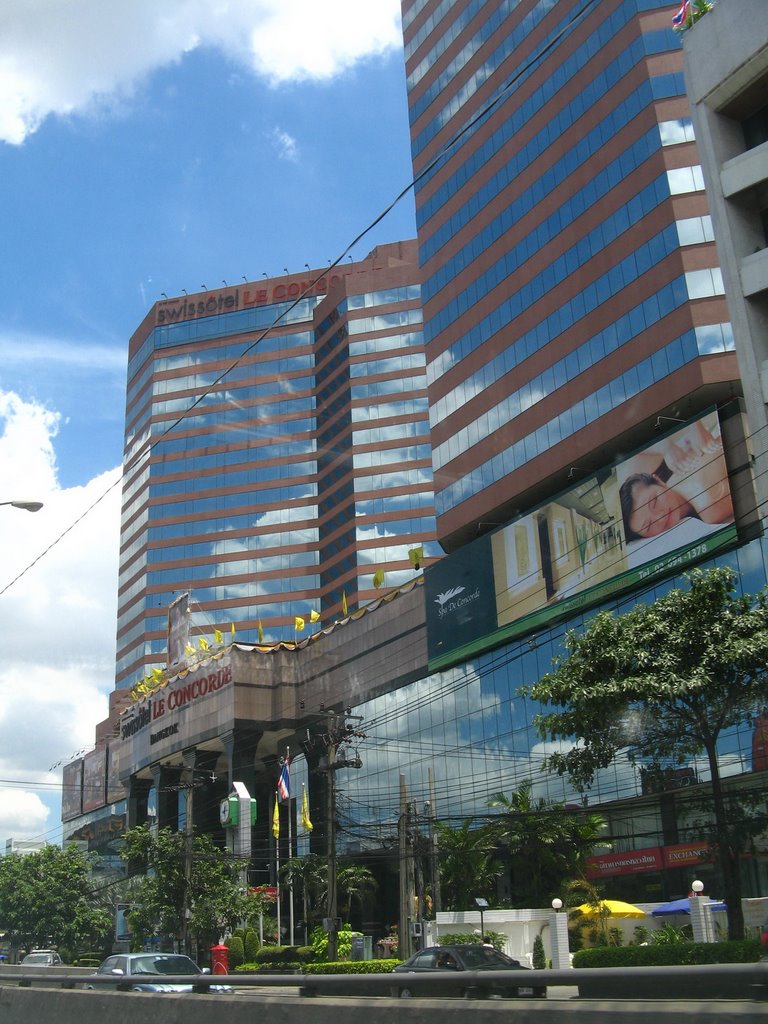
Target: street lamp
x=28, y=506
x=697, y=887
x=481, y=905
x=557, y=904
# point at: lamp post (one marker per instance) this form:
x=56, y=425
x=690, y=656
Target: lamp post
x=702, y=924
x=558, y=936
x=481, y=904
x=28, y=506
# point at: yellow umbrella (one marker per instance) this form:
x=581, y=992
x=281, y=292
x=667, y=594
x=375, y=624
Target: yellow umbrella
x=610, y=908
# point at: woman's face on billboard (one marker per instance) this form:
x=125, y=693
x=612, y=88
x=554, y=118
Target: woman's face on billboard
x=655, y=509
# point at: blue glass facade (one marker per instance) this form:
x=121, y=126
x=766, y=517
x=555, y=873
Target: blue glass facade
x=555, y=165
x=572, y=297
x=462, y=735
x=276, y=455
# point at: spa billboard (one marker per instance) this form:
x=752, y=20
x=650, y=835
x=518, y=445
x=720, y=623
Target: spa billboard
x=660, y=510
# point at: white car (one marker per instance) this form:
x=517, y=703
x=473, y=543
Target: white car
x=145, y=971
x=42, y=958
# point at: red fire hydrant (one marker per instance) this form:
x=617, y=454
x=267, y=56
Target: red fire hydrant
x=219, y=959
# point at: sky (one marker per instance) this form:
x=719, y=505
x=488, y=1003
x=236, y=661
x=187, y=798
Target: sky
x=148, y=148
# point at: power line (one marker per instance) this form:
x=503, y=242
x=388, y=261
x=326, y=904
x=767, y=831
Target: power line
x=442, y=152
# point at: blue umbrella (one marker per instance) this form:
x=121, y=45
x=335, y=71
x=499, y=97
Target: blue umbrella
x=682, y=907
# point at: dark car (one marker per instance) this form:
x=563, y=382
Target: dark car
x=146, y=971
x=438, y=961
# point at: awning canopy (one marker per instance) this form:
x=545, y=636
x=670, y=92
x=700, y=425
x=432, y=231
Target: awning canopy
x=610, y=908
x=683, y=907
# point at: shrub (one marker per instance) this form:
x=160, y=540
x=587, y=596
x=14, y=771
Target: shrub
x=251, y=944
x=668, y=935
x=234, y=944
x=457, y=938
x=353, y=967
x=669, y=955
x=343, y=942
x=276, y=955
x=640, y=935
x=539, y=959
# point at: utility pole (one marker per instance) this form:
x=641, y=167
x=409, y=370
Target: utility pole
x=340, y=733
x=407, y=882
x=434, y=853
x=331, y=901
x=188, y=787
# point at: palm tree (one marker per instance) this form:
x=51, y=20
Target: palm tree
x=356, y=882
x=309, y=875
x=468, y=867
x=546, y=843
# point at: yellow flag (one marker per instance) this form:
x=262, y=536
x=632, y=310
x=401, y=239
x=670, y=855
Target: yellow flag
x=305, y=820
x=298, y=623
x=261, y=633
x=314, y=616
x=233, y=631
x=217, y=637
x=378, y=578
x=344, y=611
x=276, y=820
x=157, y=674
x=416, y=556
x=203, y=644
x=188, y=648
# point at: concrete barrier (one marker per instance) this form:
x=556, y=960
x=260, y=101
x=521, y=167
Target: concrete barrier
x=25, y=1005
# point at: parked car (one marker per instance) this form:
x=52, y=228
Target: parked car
x=436, y=961
x=42, y=958
x=149, y=968
x=764, y=941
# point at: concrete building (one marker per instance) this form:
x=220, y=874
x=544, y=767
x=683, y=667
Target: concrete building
x=23, y=846
x=726, y=71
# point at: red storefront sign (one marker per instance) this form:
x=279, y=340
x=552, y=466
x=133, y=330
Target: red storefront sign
x=686, y=853
x=627, y=863
x=654, y=858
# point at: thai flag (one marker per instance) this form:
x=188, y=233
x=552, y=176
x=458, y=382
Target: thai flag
x=683, y=13
x=284, y=782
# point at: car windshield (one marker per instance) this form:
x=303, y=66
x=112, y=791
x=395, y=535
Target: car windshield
x=38, y=958
x=164, y=965
x=477, y=957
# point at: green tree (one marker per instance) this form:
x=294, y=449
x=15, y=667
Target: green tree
x=546, y=844
x=46, y=899
x=309, y=877
x=212, y=894
x=355, y=881
x=661, y=683
x=467, y=863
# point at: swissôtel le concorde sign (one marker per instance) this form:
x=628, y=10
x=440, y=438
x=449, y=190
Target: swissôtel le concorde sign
x=176, y=711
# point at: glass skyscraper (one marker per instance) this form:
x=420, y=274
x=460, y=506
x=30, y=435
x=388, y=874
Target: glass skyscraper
x=571, y=286
x=277, y=454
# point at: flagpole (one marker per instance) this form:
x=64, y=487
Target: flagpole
x=277, y=871
x=290, y=845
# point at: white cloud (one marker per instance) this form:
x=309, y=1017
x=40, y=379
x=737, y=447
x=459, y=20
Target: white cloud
x=23, y=814
x=58, y=606
x=284, y=144
x=78, y=56
x=58, y=355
